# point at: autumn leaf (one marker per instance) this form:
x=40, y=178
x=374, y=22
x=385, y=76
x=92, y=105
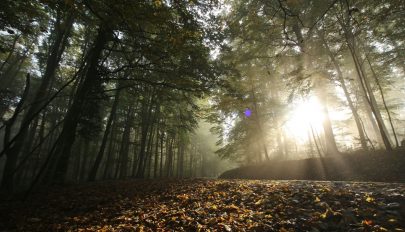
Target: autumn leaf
x=369, y=199
x=282, y=229
x=259, y=202
x=232, y=208
x=247, y=205
x=367, y=222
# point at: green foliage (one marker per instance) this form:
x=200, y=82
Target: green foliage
x=278, y=51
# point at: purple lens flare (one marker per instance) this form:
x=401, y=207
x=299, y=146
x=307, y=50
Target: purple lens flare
x=248, y=113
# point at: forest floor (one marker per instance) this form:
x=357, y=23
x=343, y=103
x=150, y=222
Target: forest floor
x=210, y=205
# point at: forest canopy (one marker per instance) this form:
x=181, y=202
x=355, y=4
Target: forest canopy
x=317, y=78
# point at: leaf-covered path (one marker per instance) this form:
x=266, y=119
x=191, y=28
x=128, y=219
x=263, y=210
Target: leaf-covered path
x=211, y=205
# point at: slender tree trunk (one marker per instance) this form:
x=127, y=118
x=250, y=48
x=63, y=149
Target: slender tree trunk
x=331, y=148
x=42, y=138
x=190, y=165
x=26, y=150
x=31, y=136
x=58, y=167
x=11, y=157
x=371, y=101
x=123, y=156
x=315, y=141
x=180, y=162
x=10, y=122
x=53, y=60
x=110, y=155
x=147, y=107
x=364, y=83
x=161, y=155
x=258, y=122
x=13, y=150
x=85, y=155
x=100, y=154
x=356, y=116
x=135, y=153
x=311, y=148
x=77, y=159
x=156, y=157
x=330, y=142
x=169, y=158
x=148, y=157
x=384, y=103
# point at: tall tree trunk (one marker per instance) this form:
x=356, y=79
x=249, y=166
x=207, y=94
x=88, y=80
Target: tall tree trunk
x=100, y=154
x=258, y=121
x=58, y=167
x=110, y=153
x=76, y=163
x=147, y=107
x=149, y=152
x=190, y=164
x=364, y=82
x=161, y=155
x=371, y=101
x=26, y=150
x=330, y=142
x=331, y=147
x=11, y=157
x=341, y=79
x=123, y=155
x=156, y=159
x=135, y=149
x=310, y=145
x=383, y=100
x=63, y=32
x=180, y=159
x=41, y=137
x=169, y=157
x=84, y=162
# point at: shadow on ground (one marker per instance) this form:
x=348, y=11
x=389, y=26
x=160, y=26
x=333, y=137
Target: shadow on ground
x=359, y=166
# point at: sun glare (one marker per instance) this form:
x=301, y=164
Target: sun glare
x=306, y=116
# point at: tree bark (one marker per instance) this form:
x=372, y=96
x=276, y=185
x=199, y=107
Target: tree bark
x=100, y=154
x=156, y=159
x=383, y=100
x=123, y=155
x=161, y=154
x=146, y=122
x=341, y=79
x=63, y=32
x=147, y=167
x=84, y=162
x=11, y=157
x=331, y=147
x=364, y=82
x=58, y=167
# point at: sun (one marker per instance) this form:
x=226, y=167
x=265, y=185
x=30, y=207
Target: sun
x=306, y=117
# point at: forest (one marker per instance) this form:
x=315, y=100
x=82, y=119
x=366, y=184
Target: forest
x=109, y=109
